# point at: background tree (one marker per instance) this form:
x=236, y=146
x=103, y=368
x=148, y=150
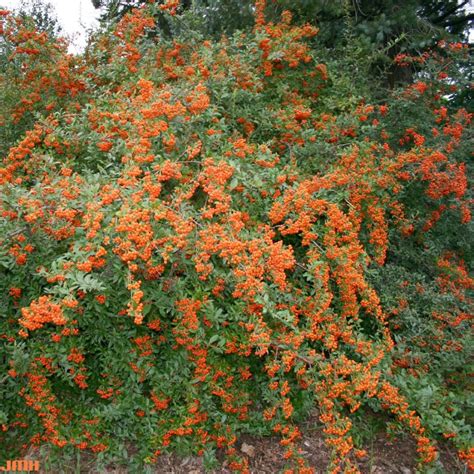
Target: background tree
x=422, y=20
x=43, y=14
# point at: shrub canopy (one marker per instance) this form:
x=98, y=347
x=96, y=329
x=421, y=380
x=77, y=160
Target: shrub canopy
x=201, y=239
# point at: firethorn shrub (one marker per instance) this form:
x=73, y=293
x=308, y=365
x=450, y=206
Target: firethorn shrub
x=196, y=243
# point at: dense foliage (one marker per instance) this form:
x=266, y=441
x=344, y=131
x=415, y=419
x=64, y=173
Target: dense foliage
x=201, y=239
